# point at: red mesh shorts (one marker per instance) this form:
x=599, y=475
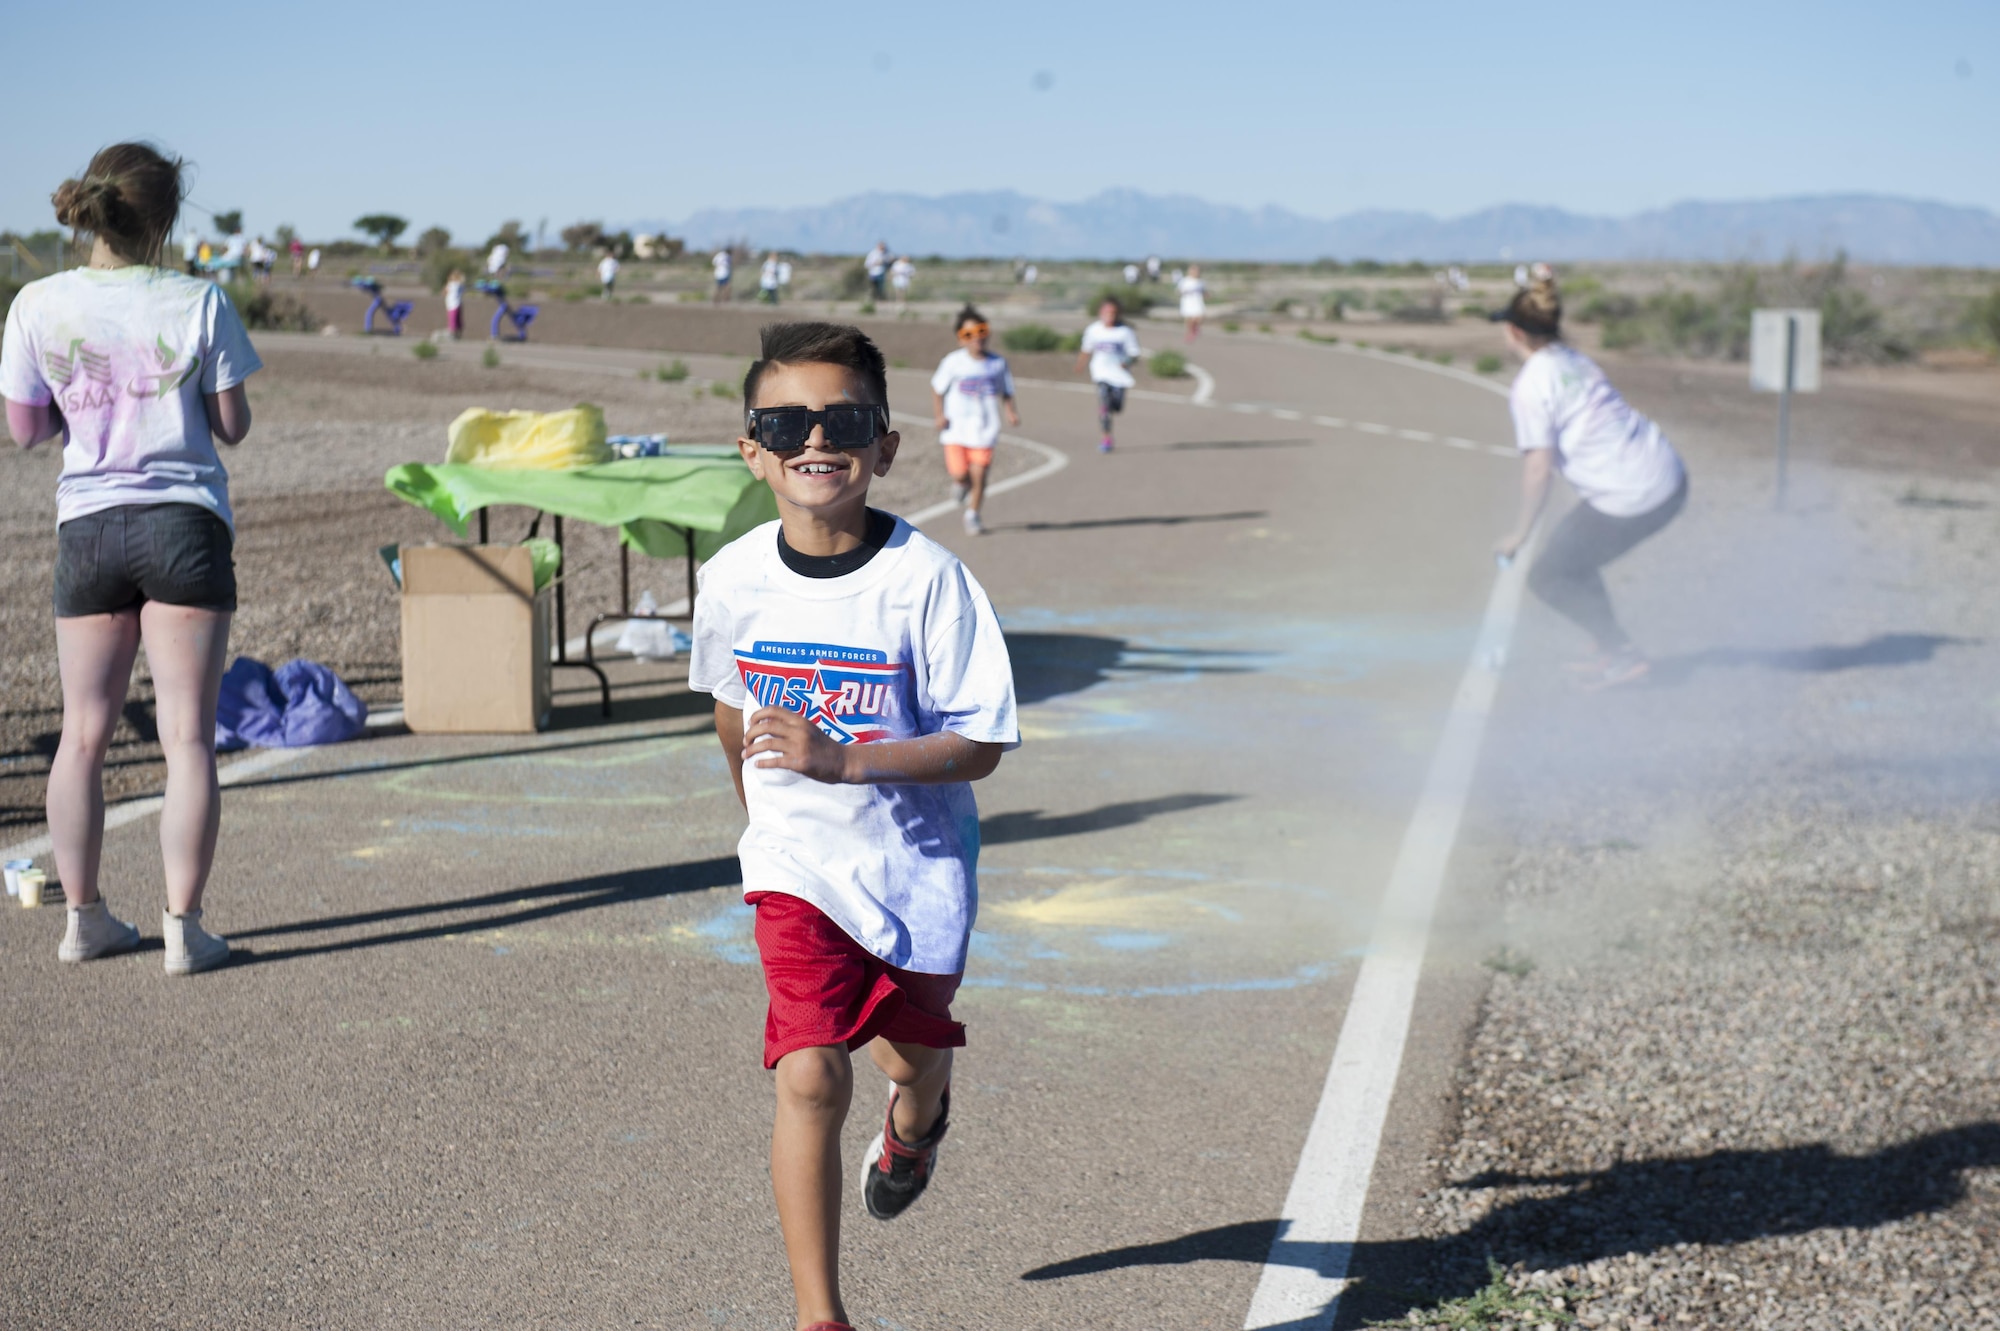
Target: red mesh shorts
x=827, y=989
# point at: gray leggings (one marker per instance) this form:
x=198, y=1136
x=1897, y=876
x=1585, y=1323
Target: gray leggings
x=1567, y=575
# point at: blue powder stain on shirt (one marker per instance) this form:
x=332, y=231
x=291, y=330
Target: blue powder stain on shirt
x=1132, y=942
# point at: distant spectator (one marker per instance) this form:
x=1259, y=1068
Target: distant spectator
x=1152, y=268
x=298, y=248
x=191, y=253
x=262, y=259
x=877, y=264
x=607, y=273
x=312, y=260
x=496, y=260
x=1131, y=274
x=785, y=277
x=767, y=280
x=1194, y=300
x=724, y=265
x=1030, y=274
x=900, y=273
x=454, y=304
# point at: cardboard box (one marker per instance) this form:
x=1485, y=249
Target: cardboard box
x=475, y=640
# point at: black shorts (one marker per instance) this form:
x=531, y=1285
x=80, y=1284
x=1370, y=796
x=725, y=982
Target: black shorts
x=1110, y=398
x=120, y=558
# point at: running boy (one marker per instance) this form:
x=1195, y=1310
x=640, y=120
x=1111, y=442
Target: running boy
x=969, y=391
x=860, y=684
x=1110, y=347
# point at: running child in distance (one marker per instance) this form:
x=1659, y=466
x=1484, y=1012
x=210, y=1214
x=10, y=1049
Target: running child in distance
x=860, y=683
x=969, y=392
x=1569, y=419
x=138, y=370
x=1110, y=348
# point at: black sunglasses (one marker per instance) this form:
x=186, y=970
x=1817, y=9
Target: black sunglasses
x=845, y=424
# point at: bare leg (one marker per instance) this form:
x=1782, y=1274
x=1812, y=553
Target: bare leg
x=185, y=650
x=814, y=1087
x=921, y=1074
x=976, y=498
x=95, y=653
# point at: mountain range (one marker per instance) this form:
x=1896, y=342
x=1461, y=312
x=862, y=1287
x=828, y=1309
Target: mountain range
x=1124, y=223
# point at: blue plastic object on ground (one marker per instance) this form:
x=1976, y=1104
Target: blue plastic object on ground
x=300, y=703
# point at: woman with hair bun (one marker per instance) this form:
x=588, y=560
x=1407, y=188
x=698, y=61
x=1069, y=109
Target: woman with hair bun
x=1569, y=419
x=138, y=370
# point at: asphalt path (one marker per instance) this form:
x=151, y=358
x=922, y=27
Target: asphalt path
x=491, y=1055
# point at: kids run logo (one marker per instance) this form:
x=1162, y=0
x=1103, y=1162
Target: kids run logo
x=83, y=376
x=851, y=693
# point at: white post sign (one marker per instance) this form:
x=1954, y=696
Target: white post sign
x=1784, y=359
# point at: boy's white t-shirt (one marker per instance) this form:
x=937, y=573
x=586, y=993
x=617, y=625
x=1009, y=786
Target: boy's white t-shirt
x=454, y=295
x=126, y=354
x=973, y=388
x=1618, y=461
x=1111, y=350
x=721, y=262
x=768, y=278
x=607, y=269
x=877, y=261
x=906, y=645
x=1194, y=294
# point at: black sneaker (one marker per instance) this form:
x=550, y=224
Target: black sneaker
x=894, y=1174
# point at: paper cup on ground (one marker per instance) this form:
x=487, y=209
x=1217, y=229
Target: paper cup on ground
x=31, y=882
x=14, y=868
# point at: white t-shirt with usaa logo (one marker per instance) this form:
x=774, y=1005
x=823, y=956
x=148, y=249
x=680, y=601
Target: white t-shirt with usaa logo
x=126, y=354
x=973, y=388
x=905, y=645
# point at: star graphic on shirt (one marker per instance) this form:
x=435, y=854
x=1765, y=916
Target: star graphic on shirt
x=822, y=698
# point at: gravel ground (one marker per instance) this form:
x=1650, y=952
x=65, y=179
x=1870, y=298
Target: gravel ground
x=311, y=514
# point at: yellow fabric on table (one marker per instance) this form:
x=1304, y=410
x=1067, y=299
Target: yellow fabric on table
x=530, y=440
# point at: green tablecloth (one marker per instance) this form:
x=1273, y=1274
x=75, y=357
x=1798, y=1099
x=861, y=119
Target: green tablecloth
x=714, y=497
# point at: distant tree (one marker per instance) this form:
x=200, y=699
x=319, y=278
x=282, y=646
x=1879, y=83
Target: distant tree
x=619, y=245
x=582, y=235
x=510, y=235
x=284, y=235
x=385, y=227
x=229, y=223
x=433, y=240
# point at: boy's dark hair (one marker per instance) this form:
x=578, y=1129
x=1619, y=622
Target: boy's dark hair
x=968, y=315
x=130, y=194
x=1116, y=304
x=821, y=344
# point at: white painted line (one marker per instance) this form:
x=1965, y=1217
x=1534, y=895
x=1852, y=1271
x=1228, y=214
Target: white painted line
x=131, y=811
x=1306, y=1271
x=1370, y=427
x=1421, y=436
x=1287, y=414
x=1204, y=385
x=1331, y=422
x=1054, y=460
x=1246, y=408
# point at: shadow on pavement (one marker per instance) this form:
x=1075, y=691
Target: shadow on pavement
x=1049, y=665
x=1636, y=1206
x=516, y=906
x=1170, y=520
x=1240, y=443
x=1884, y=649
x=1034, y=825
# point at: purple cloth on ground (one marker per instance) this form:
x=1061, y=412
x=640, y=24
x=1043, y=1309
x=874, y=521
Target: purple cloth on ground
x=298, y=704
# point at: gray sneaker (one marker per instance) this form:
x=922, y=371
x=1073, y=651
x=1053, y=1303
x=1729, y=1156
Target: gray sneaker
x=191, y=948
x=95, y=932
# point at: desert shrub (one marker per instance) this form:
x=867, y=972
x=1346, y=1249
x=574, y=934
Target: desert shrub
x=853, y=280
x=8, y=287
x=867, y=306
x=672, y=374
x=438, y=266
x=1031, y=337
x=1364, y=266
x=1231, y=326
x=1604, y=307
x=1326, y=338
x=432, y=240
x=1070, y=342
x=723, y=388
x=1264, y=328
x=263, y=310
x=1168, y=364
x=1133, y=300
x=1985, y=315
x=490, y=358
x=425, y=350
x=1487, y=365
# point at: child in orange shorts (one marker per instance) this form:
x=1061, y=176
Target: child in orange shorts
x=970, y=390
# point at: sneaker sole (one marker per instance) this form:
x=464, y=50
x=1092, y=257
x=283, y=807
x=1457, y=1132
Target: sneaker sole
x=64, y=954
x=195, y=966
x=868, y=1159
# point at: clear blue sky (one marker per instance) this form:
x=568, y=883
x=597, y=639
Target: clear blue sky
x=465, y=115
